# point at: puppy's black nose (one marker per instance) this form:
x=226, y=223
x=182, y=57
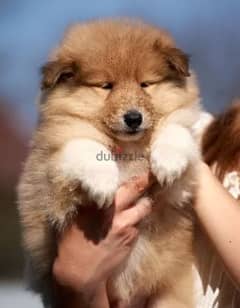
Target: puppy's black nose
x=133, y=119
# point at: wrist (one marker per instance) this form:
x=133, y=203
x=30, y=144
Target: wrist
x=74, y=280
x=91, y=297
x=91, y=290
x=87, y=289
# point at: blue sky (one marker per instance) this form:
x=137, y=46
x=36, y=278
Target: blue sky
x=208, y=30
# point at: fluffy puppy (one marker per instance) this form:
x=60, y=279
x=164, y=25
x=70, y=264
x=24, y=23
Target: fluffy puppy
x=114, y=85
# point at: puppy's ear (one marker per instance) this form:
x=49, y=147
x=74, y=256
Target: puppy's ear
x=56, y=72
x=177, y=60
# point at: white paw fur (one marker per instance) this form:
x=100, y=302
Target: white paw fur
x=80, y=160
x=171, y=153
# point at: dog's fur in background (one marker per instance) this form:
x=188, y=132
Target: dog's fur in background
x=100, y=71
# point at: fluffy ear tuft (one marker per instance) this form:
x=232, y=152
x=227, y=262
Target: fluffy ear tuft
x=56, y=72
x=177, y=60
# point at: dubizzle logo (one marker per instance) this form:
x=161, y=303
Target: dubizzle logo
x=118, y=154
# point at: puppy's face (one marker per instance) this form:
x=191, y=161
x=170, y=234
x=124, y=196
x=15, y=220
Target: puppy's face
x=121, y=76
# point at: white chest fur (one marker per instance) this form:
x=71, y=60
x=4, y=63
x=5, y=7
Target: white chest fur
x=132, y=161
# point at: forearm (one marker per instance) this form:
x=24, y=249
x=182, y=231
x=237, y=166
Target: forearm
x=219, y=214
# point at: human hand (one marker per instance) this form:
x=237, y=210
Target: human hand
x=82, y=264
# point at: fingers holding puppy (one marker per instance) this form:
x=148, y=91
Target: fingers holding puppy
x=130, y=191
x=131, y=208
x=134, y=215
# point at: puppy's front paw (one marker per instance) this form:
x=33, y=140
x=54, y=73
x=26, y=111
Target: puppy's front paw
x=101, y=182
x=90, y=163
x=167, y=164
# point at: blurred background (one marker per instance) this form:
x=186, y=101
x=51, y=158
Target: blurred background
x=207, y=30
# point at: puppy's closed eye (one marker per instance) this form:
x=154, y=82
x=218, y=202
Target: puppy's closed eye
x=107, y=85
x=145, y=84
x=101, y=85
